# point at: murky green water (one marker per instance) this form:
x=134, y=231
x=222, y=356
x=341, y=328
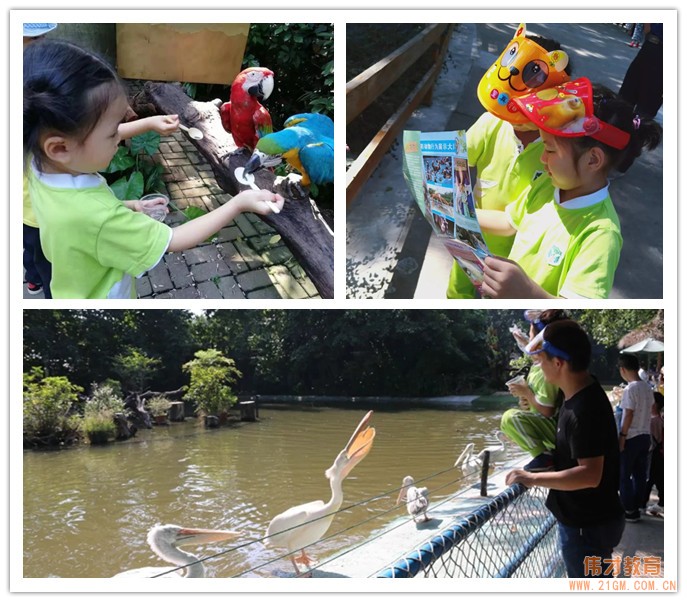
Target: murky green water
x=87, y=511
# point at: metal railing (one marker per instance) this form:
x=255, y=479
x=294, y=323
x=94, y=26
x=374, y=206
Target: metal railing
x=513, y=535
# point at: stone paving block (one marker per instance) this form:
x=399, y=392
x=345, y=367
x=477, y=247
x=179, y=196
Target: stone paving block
x=233, y=258
x=277, y=255
x=210, y=270
x=253, y=280
x=270, y=292
x=172, y=186
x=191, y=183
x=178, y=173
x=189, y=292
x=244, y=224
x=143, y=287
x=211, y=202
x=176, y=195
x=265, y=241
x=159, y=278
x=228, y=234
x=177, y=162
x=223, y=198
x=175, y=146
x=196, y=191
x=263, y=228
x=209, y=290
x=204, y=166
x=281, y=275
x=201, y=255
x=179, y=271
x=165, y=148
x=175, y=155
x=195, y=157
x=252, y=259
x=230, y=288
x=189, y=171
x=208, y=176
x=309, y=287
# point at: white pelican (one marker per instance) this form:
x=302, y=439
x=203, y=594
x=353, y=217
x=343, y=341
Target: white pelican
x=497, y=453
x=301, y=526
x=468, y=462
x=416, y=498
x=164, y=539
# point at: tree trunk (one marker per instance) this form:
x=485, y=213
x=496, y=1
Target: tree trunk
x=300, y=223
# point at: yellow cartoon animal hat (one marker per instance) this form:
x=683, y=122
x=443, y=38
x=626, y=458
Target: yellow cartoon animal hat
x=568, y=110
x=523, y=67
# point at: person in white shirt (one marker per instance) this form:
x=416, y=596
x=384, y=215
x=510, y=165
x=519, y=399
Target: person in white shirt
x=634, y=437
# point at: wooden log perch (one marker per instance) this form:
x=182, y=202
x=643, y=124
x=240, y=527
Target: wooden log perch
x=300, y=223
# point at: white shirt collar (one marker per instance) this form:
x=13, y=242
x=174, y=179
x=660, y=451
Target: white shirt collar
x=582, y=201
x=65, y=180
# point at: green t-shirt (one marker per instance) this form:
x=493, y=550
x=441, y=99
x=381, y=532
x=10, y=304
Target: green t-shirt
x=96, y=244
x=572, y=249
x=505, y=171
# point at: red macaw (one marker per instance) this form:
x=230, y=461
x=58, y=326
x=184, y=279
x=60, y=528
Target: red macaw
x=243, y=116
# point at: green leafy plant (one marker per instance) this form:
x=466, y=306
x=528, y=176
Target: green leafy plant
x=212, y=376
x=135, y=368
x=158, y=405
x=98, y=427
x=132, y=172
x=48, y=403
x=105, y=399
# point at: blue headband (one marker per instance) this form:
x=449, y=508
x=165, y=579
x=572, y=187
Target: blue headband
x=539, y=344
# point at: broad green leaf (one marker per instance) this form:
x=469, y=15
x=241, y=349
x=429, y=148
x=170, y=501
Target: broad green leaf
x=147, y=143
x=127, y=190
x=121, y=161
x=193, y=212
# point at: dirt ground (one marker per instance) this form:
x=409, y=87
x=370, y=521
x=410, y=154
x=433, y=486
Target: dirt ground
x=367, y=43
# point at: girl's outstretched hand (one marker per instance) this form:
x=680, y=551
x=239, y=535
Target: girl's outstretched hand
x=164, y=124
x=259, y=201
x=505, y=279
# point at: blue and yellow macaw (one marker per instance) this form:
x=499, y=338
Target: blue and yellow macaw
x=306, y=143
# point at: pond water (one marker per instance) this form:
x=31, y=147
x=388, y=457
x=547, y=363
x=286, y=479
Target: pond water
x=87, y=510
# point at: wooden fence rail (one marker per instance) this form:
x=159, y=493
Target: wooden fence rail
x=363, y=89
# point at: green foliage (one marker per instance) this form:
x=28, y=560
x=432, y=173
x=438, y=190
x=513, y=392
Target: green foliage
x=135, y=368
x=302, y=58
x=132, y=173
x=48, y=401
x=212, y=376
x=158, y=405
x=608, y=326
x=105, y=400
x=98, y=427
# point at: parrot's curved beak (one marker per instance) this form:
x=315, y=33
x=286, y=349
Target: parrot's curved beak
x=262, y=90
x=255, y=162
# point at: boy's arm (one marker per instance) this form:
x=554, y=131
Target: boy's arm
x=495, y=222
x=162, y=124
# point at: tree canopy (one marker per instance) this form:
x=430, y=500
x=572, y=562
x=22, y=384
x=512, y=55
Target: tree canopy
x=352, y=352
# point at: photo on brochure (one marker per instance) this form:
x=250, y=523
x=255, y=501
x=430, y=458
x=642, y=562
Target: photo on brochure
x=435, y=167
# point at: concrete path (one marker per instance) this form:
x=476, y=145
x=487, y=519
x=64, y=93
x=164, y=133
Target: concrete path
x=391, y=252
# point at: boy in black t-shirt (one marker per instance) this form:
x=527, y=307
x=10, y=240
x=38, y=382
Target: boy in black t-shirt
x=583, y=492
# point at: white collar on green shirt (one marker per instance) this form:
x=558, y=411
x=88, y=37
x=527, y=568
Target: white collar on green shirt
x=65, y=180
x=582, y=201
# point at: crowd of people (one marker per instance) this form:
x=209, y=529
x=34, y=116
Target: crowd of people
x=600, y=470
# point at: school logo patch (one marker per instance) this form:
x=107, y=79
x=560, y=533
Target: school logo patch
x=554, y=256
x=537, y=174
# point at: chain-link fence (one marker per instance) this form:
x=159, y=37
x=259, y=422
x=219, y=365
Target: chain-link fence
x=513, y=535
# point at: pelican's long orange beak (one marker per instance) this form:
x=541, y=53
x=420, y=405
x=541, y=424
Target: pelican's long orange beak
x=360, y=444
x=202, y=536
